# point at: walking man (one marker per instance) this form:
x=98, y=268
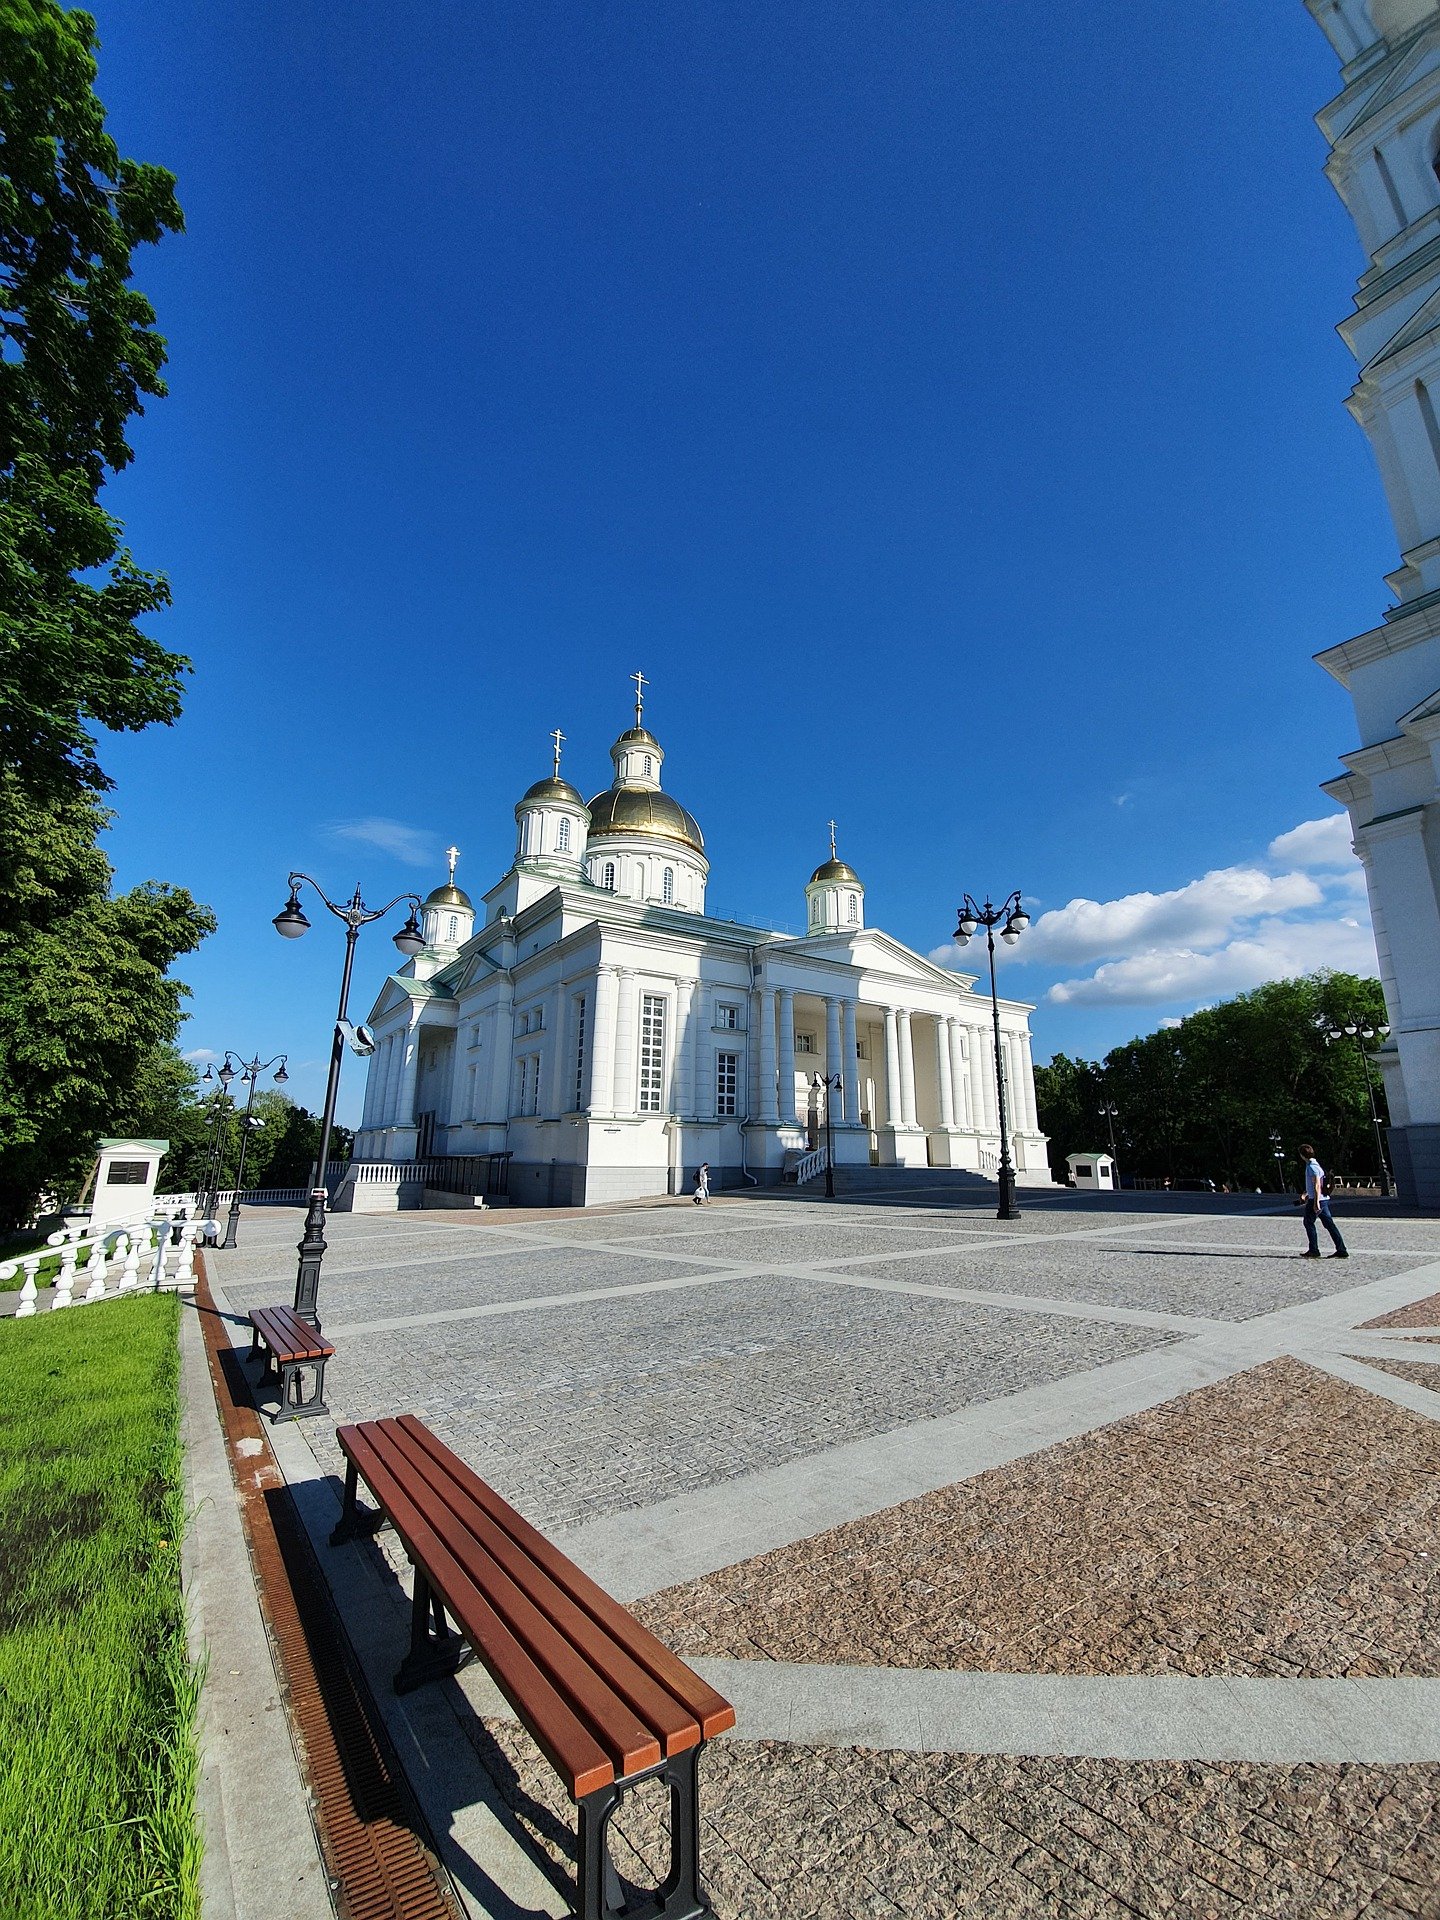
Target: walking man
x=701, y=1195
x=1317, y=1205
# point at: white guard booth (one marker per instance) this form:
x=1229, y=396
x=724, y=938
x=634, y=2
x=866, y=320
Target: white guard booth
x=1092, y=1172
x=125, y=1181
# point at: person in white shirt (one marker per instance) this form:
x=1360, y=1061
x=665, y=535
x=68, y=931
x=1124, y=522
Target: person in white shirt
x=1317, y=1206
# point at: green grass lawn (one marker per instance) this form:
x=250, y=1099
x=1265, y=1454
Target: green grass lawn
x=98, y=1753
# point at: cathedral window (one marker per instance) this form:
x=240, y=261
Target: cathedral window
x=607, y=876
x=815, y=912
x=727, y=1079
x=649, y=767
x=667, y=887
x=454, y=926
x=727, y=1015
x=562, y=838
x=805, y=1043
x=579, y=1053
x=652, y=1052
x=852, y=907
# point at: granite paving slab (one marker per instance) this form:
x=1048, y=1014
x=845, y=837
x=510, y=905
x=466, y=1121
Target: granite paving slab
x=1218, y=1286
x=594, y=1407
x=1281, y=1522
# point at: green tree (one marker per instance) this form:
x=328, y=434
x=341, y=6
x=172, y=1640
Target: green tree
x=85, y=1001
x=78, y=354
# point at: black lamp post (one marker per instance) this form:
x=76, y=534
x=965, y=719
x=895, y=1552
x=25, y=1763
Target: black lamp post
x=832, y=1083
x=1277, y=1148
x=1110, y=1111
x=291, y=923
x=219, y=1113
x=251, y=1071
x=1360, y=1034
x=1016, y=921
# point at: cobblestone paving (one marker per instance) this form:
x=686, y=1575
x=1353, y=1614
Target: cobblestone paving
x=1221, y=1286
x=850, y=1834
x=588, y=1409
x=1420, y=1313
x=785, y=1246
x=1420, y=1373
x=1277, y=1523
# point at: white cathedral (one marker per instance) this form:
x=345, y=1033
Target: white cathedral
x=1384, y=134
x=595, y=1031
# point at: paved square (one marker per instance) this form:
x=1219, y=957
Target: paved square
x=942, y=1501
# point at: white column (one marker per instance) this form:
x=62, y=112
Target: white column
x=374, y=1069
x=502, y=1056
x=959, y=1073
x=1026, y=1070
x=786, y=1000
x=560, y=1063
x=892, y=1068
x=769, y=1105
x=974, y=1051
x=947, y=1084
x=682, y=1052
x=907, y=1068
x=406, y=1115
x=851, y=1066
x=702, y=1098
x=834, y=1061
x=625, y=1092
x=601, y=1071
x=390, y=1086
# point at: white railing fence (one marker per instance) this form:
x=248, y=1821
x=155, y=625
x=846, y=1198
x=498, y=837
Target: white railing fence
x=811, y=1165
x=141, y=1256
x=989, y=1160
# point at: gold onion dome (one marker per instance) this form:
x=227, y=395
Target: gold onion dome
x=835, y=870
x=449, y=896
x=553, y=789
x=643, y=810
x=638, y=736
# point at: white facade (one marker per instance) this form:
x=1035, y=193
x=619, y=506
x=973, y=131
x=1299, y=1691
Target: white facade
x=600, y=1029
x=1384, y=134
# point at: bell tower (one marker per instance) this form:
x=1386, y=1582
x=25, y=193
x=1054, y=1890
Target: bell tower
x=1384, y=134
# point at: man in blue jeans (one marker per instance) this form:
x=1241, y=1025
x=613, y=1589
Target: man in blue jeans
x=1317, y=1204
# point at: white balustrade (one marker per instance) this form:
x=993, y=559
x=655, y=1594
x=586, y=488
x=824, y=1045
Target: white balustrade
x=98, y=1255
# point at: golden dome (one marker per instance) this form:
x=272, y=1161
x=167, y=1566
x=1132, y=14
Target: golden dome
x=836, y=870
x=644, y=810
x=449, y=896
x=554, y=791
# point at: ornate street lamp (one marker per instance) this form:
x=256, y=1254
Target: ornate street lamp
x=220, y=1110
x=250, y=1070
x=1110, y=1113
x=291, y=923
x=1277, y=1148
x=1361, y=1034
x=1016, y=921
x=832, y=1083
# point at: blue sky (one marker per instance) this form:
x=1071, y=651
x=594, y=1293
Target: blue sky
x=940, y=403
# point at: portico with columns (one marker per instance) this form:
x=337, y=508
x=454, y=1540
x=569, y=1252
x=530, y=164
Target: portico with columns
x=597, y=1027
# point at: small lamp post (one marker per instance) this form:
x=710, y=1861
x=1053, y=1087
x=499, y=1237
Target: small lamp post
x=1361, y=1035
x=219, y=1113
x=1016, y=921
x=832, y=1083
x=1277, y=1148
x=251, y=1071
x=290, y=923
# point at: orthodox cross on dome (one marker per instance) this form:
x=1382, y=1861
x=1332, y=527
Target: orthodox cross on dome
x=640, y=685
x=558, y=737
x=452, y=854
x=831, y=825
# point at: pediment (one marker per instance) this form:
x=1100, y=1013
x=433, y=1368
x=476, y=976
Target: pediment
x=1412, y=66
x=882, y=953
x=399, y=991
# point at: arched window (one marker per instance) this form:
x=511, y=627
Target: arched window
x=607, y=876
x=454, y=926
x=562, y=839
x=649, y=766
x=852, y=907
x=667, y=887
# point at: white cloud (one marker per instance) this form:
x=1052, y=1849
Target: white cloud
x=1172, y=1020
x=412, y=845
x=1200, y=914
x=1275, y=950
x=1232, y=929
x=201, y=1056
x=1316, y=843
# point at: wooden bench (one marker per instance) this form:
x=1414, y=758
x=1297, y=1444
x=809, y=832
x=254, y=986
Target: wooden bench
x=607, y=1704
x=290, y=1344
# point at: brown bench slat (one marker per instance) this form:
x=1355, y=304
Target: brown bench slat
x=287, y=1335
x=657, y=1708
x=567, y=1742
x=713, y=1712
